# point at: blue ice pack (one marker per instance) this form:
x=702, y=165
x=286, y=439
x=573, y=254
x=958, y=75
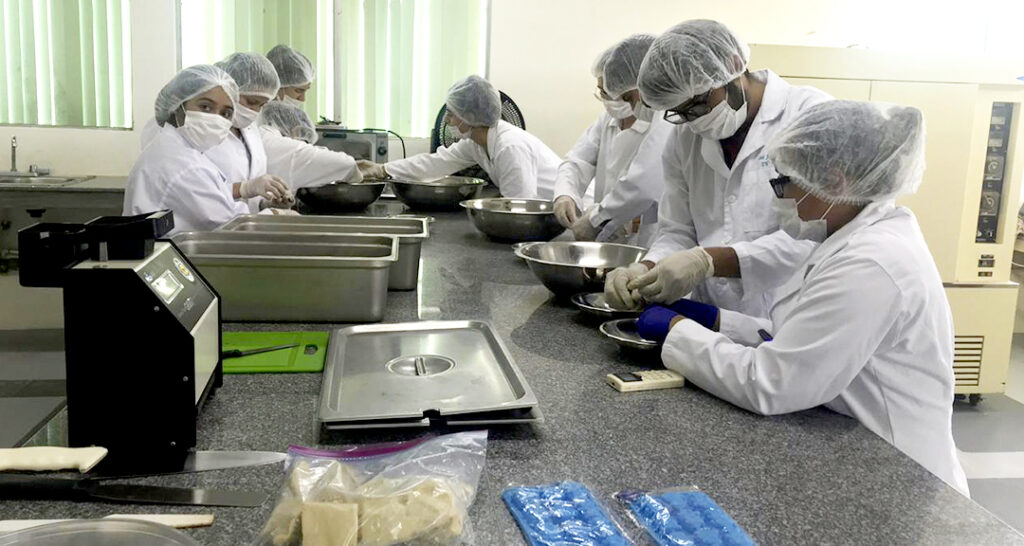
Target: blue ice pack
x=562, y=514
x=685, y=518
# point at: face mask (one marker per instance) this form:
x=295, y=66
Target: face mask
x=244, y=116
x=617, y=109
x=203, y=130
x=791, y=223
x=458, y=134
x=292, y=101
x=721, y=122
x=642, y=112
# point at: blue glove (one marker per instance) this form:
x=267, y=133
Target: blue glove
x=655, y=322
x=701, y=313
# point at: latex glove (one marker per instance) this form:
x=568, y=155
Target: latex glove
x=675, y=276
x=702, y=313
x=287, y=202
x=615, y=292
x=566, y=211
x=285, y=212
x=655, y=322
x=267, y=186
x=371, y=170
x=583, y=230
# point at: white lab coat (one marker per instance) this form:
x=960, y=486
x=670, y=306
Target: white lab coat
x=863, y=328
x=241, y=159
x=517, y=162
x=170, y=174
x=303, y=165
x=708, y=204
x=626, y=170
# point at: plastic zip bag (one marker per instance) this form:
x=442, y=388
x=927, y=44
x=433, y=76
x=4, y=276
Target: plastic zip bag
x=562, y=514
x=413, y=493
x=682, y=516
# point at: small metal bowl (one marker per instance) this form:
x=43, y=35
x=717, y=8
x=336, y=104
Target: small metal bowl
x=569, y=268
x=441, y=194
x=623, y=332
x=594, y=304
x=507, y=219
x=341, y=196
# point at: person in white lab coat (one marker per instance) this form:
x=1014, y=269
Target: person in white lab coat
x=241, y=155
x=620, y=155
x=516, y=161
x=295, y=71
x=715, y=216
x=863, y=327
x=194, y=113
x=288, y=135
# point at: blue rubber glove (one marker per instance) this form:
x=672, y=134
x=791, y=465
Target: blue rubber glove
x=702, y=313
x=654, y=322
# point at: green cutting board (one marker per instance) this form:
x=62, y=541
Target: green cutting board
x=307, y=356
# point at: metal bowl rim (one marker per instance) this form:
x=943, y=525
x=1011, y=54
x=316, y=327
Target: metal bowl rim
x=469, y=204
x=519, y=251
x=621, y=339
x=464, y=181
x=580, y=301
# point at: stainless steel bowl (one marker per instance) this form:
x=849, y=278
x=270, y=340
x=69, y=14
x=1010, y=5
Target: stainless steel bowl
x=595, y=304
x=441, y=194
x=341, y=196
x=568, y=268
x=508, y=219
x=623, y=332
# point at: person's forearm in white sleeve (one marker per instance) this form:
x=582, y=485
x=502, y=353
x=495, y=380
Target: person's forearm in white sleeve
x=642, y=185
x=443, y=162
x=577, y=171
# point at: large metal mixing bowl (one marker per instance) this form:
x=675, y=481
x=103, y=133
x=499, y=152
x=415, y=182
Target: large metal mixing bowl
x=568, y=268
x=441, y=194
x=341, y=196
x=509, y=219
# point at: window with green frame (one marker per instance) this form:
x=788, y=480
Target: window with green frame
x=385, y=64
x=66, y=63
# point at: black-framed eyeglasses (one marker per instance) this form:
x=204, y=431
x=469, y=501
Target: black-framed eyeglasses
x=779, y=185
x=697, y=107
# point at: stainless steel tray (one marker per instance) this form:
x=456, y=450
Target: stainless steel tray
x=623, y=332
x=284, y=277
x=419, y=373
x=595, y=304
x=411, y=233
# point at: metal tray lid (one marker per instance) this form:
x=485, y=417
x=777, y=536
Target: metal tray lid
x=404, y=227
x=410, y=371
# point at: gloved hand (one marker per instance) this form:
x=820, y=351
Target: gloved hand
x=583, y=230
x=371, y=170
x=702, y=313
x=655, y=322
x=285, y=212
x=566, y=211
x=615, y=292
x=267, y=186
x=675, y=276
x=286, y=202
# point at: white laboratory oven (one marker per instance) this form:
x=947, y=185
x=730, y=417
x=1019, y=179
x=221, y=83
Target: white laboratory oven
x=967, y=203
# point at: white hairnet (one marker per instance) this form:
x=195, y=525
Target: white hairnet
x=291, y=121
x=190, y=83
x=293, y=68
x=475, y=101
x=623, y=64
x=254, y=74
x=597, y=69
x=689, y=59
x=854, y=152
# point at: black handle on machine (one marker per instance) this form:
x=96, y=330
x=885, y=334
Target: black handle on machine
x=23, y=486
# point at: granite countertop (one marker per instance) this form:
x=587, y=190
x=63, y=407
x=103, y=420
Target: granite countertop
x=812, y=477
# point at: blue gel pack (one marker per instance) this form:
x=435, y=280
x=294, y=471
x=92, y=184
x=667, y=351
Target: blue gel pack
x=686, y=518
x=562, y=514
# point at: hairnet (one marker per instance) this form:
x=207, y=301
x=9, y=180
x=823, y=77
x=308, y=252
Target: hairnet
x=254, y=74
x=293, y=68
x=190, y=83
x=852, y=152
x=597, y=69
x=475, y=101
x=291, y=121
x=623, y=66
x=689, y=59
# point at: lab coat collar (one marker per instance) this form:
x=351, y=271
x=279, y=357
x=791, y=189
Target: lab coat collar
x=492, y=137
x=640, y=126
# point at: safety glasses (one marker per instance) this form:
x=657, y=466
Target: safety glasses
x=695, y=108
x=779, y=185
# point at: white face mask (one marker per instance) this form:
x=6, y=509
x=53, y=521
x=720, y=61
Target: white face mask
x=797, y=228
x=292, y=101
x=722, y=121
x=244, y=116
x=617, y=109
x=203, y=130
x=642, y=112
x=457, y=133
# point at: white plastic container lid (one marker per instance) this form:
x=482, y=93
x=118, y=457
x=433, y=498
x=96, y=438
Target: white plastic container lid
x=99, y=532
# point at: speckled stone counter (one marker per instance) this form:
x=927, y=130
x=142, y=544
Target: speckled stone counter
x=809, y=478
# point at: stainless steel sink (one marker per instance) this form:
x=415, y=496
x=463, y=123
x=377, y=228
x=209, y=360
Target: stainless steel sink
x=41, y=181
